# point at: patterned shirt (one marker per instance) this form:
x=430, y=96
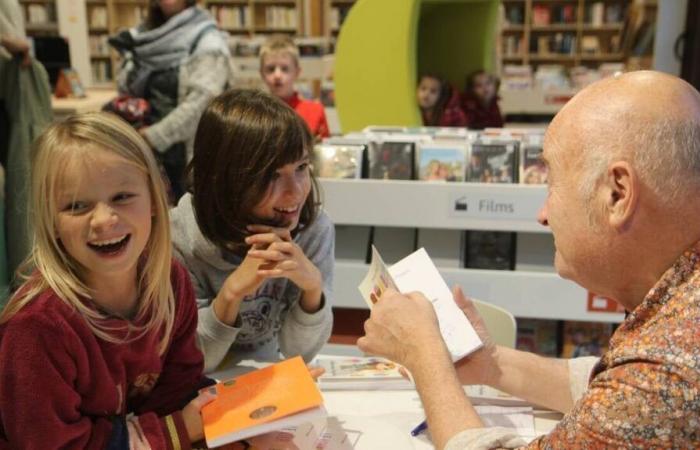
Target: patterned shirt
x=645, y=391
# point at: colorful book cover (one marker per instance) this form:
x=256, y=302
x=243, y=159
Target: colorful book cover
x=278, y=396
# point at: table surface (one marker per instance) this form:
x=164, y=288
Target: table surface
x=94, y=100
x=379, y=419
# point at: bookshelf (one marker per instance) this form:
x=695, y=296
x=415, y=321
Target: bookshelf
x=104, y=19
x=336, y=11
x=566, y=32
x=249, y=17
x=40, y=17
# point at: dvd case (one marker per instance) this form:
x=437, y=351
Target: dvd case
x=441, y=161
x=338, y=160
x=493, y=162
x=391, y=160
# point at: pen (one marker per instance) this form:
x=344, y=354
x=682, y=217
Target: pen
x=420, y=428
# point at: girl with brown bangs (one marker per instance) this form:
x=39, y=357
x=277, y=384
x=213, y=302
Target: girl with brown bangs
x=258, y=248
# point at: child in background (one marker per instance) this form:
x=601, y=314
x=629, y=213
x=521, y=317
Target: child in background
x=279, y=68
x=97, y=347
x=439, y=103
x=259, y=249
x=480, y=101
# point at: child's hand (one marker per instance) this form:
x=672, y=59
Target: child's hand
x=193, y=418
x=283, y=258
x=315, y=371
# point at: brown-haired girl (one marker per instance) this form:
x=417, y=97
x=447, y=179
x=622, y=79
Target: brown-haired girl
x=259, y=249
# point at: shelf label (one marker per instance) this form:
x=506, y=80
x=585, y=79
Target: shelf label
x=598, y=303
x=495, y=205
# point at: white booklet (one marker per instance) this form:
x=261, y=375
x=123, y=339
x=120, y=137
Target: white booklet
x=416, y=272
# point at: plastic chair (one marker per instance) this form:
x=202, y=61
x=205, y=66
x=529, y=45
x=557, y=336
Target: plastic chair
x=499, y=322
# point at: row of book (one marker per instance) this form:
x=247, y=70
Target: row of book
x=280, y=17
x=337, y=15
x=98, y=45
x=557, y=14
x=101, y=71
x=558, y=43
x=231, y=17
x=39, y=13
x=434, y=154
x=519, y=77
x=97, y=16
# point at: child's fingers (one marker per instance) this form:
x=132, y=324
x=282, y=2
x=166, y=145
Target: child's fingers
x=315, y=371
x=276, y=251
x=283, y=233
x=281, y=269
x=205, y=396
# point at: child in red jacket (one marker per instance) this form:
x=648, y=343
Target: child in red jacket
x=279, y=69
x=439, y=103
x=97, y=347
x=480, y=101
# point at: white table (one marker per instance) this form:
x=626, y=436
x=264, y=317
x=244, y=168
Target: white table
x=374, y=420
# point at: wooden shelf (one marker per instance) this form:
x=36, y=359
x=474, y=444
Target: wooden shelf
x=49, y=26
x=554, y=27
x=610, y=27
x=551, y=57
x=275, y=2
x=228, y=2
x=274, y=30
x=602, y=57
x=514, y=29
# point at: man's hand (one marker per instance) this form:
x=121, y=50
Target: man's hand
x=401, y=328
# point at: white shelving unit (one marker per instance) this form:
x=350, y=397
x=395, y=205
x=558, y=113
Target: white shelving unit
x=415, y=204
x=420, y=204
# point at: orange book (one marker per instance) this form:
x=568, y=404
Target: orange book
x=269, y=399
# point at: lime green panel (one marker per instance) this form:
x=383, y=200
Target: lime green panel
x=384, y=44
x=456, y=37
x=375, y=65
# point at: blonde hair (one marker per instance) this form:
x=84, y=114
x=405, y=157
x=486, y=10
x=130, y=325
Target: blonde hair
x=53, y=268
x=277, y=44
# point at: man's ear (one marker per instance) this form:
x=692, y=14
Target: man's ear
x=622, y=194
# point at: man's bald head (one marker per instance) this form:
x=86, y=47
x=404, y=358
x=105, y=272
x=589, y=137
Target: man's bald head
x=648, y=118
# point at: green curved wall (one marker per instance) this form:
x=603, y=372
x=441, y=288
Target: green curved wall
x=384, y=44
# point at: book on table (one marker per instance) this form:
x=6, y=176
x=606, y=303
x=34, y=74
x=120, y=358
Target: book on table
x=416, y=272
x=360, y=373
x=275, y=397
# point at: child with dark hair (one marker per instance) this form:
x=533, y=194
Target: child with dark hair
x=259, y=249
x=439, y=103
x=480, y=101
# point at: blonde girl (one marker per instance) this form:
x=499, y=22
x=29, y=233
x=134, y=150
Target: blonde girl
x=97, y=347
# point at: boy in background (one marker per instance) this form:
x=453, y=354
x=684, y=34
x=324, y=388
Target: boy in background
x=279, y=68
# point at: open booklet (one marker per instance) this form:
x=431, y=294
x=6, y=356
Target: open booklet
x=416, y=272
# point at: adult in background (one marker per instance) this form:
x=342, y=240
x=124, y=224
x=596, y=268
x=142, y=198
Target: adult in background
x=624, y=208
x=177, y=60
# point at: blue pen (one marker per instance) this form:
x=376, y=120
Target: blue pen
x=420, y=428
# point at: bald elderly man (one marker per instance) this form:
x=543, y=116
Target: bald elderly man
x=623, y=205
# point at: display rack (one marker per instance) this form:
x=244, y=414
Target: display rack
x=414, y=204
x=40, y=18
x=335, y=13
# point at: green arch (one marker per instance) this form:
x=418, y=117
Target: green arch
x=384, y=44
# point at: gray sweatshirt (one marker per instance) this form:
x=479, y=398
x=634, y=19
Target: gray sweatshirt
x=270, y=321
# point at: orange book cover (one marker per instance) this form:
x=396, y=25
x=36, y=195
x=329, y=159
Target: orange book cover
x=268, y=399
